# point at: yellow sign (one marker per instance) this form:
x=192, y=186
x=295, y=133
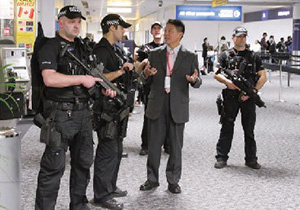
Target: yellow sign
x=25, y=23
x=216, y=3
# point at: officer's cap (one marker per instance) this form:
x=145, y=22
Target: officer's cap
x=114, y=19
x=156, y=23
x=238, y=31
x=70, y=12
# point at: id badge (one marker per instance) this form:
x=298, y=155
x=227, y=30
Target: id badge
x=167, y=82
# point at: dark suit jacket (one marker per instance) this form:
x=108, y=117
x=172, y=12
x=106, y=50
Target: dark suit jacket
x=185, y=64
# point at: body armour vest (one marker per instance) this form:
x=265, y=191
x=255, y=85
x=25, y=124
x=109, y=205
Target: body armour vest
x=66, y=65
x=242, y=63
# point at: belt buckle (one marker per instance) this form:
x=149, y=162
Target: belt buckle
x=67, y=106
x=78, y=105
x=64, y=106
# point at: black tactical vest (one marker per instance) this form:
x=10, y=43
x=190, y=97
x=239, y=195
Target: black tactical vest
x=66, y=65
x=243, y=63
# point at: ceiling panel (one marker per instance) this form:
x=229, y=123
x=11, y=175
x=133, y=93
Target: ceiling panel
x=97, y=9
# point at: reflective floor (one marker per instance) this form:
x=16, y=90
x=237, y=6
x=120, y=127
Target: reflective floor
x=274, y=186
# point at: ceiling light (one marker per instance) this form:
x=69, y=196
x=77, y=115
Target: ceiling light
x=118, y=10
x=119, y=3
x=85, y=4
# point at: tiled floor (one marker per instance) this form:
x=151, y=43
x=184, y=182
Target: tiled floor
x=274, y=186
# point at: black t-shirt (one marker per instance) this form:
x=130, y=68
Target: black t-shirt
x=227, y=60
x=49, y=58
x=143, y=51
x=106, y=55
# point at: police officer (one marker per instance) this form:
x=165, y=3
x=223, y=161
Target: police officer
x=68, y=118
x=111, y=126
x=235, y=101
x=142, y=60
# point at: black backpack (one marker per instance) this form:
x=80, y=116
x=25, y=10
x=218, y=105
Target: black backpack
x=36, y=77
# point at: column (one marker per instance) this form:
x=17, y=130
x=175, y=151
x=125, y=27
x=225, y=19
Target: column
x=47, y=16
x=296, y=31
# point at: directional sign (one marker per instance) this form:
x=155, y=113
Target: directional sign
x=222, y=13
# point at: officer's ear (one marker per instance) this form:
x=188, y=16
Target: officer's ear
x=60, y=22
x=113, y=28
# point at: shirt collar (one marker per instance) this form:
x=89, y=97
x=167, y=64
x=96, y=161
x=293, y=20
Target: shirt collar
x=176, y=49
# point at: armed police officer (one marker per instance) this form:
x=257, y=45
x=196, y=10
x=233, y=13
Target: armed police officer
x=67, y=115
x=240, y=61
x=142, y=61
x=111, y=116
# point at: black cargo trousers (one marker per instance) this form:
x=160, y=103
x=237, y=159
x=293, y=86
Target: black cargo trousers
x=232, y=105
x=107, y=163
x=75, y=127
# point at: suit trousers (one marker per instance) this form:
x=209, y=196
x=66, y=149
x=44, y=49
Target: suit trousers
x=106, y=168
x=144, y=134
x=158, y=130
x=232, y=105
x=76, y=131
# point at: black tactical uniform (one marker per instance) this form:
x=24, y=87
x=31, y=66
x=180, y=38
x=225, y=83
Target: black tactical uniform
x=143, y=53
x=231, y=59
x=69, y=110
x=110, y=127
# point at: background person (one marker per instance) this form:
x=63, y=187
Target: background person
x=205, y=45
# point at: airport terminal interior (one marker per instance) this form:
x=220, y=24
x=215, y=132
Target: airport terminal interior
x=274, y=186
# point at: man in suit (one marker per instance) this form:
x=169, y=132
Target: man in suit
x=171, y=69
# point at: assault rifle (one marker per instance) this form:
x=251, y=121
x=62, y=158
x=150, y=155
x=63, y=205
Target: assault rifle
x=144, y=52
x=97, y=72
x=243, y=84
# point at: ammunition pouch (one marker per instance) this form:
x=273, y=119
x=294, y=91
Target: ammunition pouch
x=77, y=90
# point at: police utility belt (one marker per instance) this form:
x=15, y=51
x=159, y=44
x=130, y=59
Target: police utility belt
x=65, y=106
x=49, y=135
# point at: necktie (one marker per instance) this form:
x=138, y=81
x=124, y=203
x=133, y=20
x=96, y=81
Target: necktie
x=170, y=66
x=170, y=62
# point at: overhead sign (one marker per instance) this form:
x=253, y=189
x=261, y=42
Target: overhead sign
x=216, y=3
x=272, y=14
x=223, y=13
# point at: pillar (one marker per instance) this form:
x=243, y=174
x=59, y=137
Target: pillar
x=47, y=16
